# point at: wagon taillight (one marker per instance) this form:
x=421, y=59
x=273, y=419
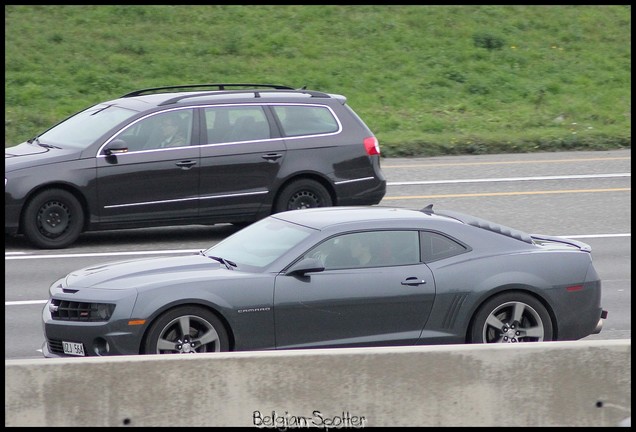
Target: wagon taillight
x=372, y=146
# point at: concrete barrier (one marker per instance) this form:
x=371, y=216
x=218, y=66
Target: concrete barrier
x=534, y=384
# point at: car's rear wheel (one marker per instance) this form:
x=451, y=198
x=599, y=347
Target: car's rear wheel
x=53, y=219
x=302, y=194
x=511, y=317
x=186, y=330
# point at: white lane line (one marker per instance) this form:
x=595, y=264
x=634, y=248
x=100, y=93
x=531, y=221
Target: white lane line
x=24, y=302
x=596, y=235
x=508, y=179
x=22, y=255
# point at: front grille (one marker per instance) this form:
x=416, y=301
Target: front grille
x=64, y=310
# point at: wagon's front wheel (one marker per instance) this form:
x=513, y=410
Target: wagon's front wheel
x=53, y=219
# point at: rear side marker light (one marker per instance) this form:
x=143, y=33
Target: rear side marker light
x=372, y=146
x=574, y=288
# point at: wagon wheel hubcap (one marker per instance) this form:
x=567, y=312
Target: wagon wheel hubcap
x=53, y=219
x=303, y=200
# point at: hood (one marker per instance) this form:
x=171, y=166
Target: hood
x=24, y=149
x=146, y=272
x=29, y=155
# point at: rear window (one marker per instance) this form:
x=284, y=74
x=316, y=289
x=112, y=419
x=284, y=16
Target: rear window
x=436, y=246
x=306, y=120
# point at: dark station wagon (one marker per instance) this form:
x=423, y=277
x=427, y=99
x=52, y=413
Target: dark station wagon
x=192, y=154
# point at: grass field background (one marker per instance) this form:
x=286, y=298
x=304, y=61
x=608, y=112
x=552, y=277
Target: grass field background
x=428, y=80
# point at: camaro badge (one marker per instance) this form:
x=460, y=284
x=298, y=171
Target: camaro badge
x=261, y=309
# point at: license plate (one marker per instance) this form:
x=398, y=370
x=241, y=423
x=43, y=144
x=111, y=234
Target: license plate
x=73, y=348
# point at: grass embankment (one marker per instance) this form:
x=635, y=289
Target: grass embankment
x=428, y=80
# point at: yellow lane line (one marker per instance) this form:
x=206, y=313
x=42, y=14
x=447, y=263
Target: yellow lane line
x=505, y=162
x=507, y=193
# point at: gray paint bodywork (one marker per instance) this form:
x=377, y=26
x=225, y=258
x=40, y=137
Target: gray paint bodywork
x=271, y=309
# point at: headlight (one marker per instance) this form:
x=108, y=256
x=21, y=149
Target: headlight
x=104, y=311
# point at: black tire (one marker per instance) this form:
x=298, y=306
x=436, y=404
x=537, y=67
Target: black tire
x=511, y=317
x=203, y=332
x=302, y=194
x=53, y=219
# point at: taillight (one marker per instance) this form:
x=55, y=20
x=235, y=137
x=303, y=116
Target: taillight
x=372, y=146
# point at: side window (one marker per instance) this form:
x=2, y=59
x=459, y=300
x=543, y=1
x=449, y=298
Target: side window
x=368, y=249
x=436, y=246
x=164, y=130
x=305, y=120
x=238, y=123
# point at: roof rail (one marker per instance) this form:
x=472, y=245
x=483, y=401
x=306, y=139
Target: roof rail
x=218, y=86
x=256, y=94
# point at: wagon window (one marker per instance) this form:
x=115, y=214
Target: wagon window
x=305, y=120
x=167, y=129
x=236, y=123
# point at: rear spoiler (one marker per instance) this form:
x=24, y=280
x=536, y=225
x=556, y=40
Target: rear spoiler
x=582, y=246
x=481, y=223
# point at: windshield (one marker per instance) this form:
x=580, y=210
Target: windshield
x=259, y=244
x=82, y=129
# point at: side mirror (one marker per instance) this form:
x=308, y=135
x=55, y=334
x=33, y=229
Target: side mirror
x=304, y=266
x=116, y=146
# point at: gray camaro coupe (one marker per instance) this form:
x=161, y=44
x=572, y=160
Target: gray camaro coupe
x=333, y=277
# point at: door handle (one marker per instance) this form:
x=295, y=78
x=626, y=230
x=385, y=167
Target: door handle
x=272, y=156
x=186, y=164
x=413, y=281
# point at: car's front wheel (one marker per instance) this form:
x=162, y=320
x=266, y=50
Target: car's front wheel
x=53, y=219
x=186, y=330
x=511, y=317
x=302, y=194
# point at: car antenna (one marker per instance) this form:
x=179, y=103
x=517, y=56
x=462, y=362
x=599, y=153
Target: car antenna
x=428, y=209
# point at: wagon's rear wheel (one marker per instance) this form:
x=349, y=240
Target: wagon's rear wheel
x=302, y=194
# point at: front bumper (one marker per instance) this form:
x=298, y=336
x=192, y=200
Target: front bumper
x=113, y=337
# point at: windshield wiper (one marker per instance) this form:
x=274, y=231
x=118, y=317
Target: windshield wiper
x=100, y=110
x=36, y=139
x=48, y=145
x=227, y=263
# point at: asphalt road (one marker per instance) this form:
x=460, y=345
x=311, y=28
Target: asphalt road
x=584, y=195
